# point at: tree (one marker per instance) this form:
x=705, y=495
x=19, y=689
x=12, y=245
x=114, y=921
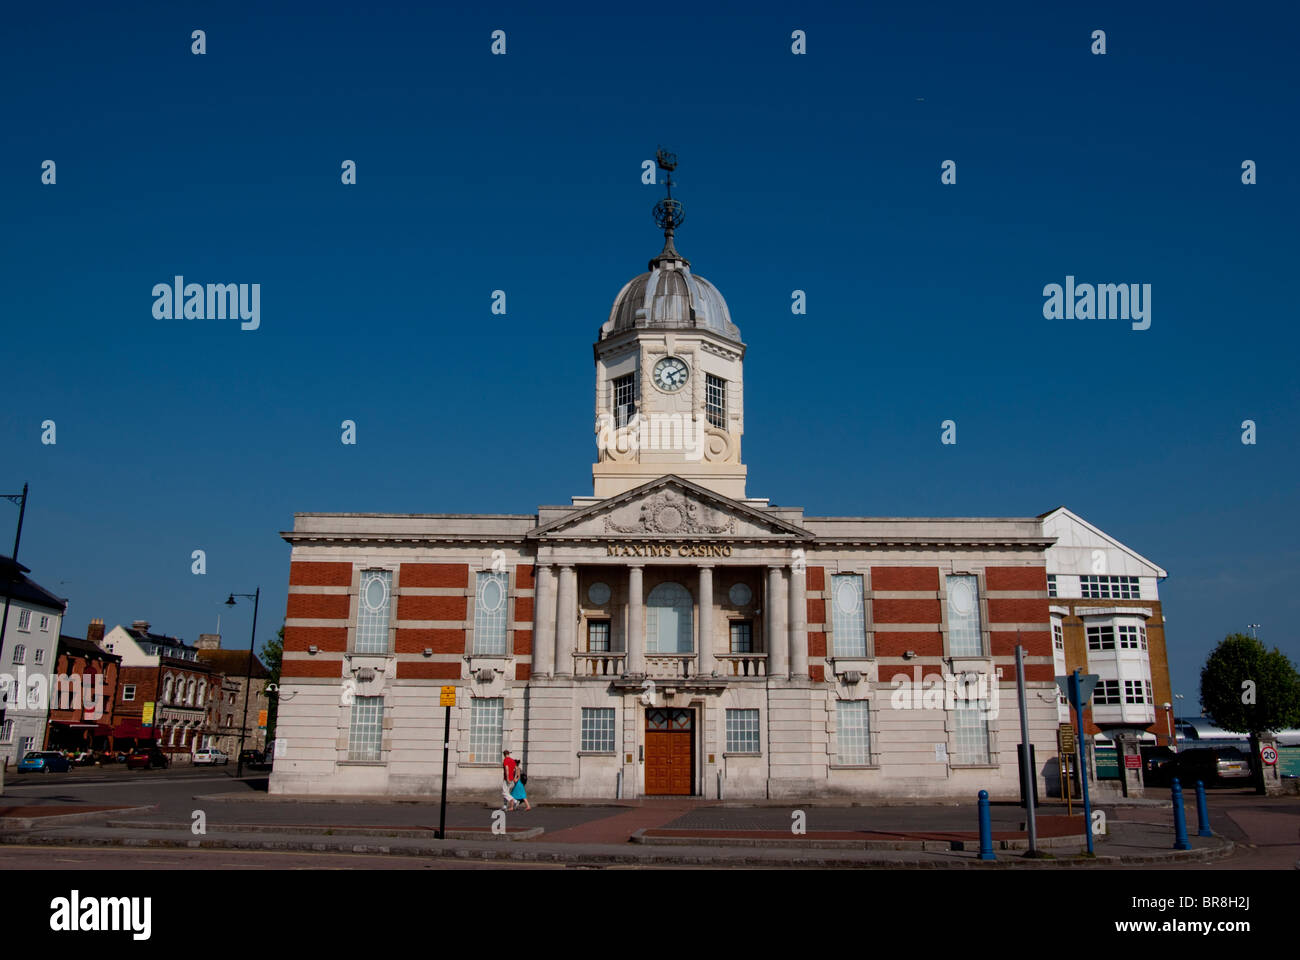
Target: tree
x=272, y=653
x=1248, y=689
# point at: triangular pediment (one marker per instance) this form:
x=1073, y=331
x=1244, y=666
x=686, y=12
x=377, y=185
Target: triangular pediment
x=669, y=508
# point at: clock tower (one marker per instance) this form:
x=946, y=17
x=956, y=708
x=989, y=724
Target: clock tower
x=669, y=376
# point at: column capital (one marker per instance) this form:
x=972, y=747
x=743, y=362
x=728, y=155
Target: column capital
x=564, y=566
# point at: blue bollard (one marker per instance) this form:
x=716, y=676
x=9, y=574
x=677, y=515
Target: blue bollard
x=1202, y=814
x=986, y=828
x=1180, y=818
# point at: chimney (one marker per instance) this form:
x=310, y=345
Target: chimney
x=209, y=641
x=95, y=631
x=141, y=625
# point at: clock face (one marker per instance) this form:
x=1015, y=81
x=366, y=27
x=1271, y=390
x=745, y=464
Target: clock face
x=670, y=374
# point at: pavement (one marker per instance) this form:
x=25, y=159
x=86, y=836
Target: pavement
x=221, y=812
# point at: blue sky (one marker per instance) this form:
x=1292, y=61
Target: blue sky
x=522, y=173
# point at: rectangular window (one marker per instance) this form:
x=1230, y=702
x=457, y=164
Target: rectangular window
x=1148, y=691
x=1058, y=635
x=848, y=615
x=128, y=692
x=624, y=399
x=7, y=732
x=39, y=655
x=1106, y=693
x=598, y=636
x=1133, y=692
x=486, y=716
x=26, y=745
x=972, y=733
x=373, y=611
x=20, y=653
x=597, y=729
x=1110, y=588
x=1051, y=584
x=490, y=608
x=742, y=636
x=1101, y=638
x=365, y=733
x=715, y=400
x=742, y=731
x=853, y=732
x=24, y=620
x=1142, y=635
x=964, y=638
x=1128, y=637
x=45, y=626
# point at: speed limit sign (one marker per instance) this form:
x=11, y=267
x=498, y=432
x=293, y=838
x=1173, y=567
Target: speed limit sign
x=1268, y=755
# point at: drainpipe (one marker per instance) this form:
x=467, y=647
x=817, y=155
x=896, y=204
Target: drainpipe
x=719, y=784
x=618, y=786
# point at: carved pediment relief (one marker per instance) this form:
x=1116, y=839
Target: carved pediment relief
x=669, y=512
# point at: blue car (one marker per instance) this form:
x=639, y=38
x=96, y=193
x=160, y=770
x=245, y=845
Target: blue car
x=44, y=762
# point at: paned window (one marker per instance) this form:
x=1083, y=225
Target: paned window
x=848, y=615
x=597, y=729
x=490, y=614
x=853, y=732
x=486, y=715
x=366, y=729
x=373, y=611
x=742, y=731
x=964, y=617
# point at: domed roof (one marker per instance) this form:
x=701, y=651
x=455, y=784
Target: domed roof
x=670, y=297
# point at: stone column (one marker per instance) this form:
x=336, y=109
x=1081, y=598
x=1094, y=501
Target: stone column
x=798, y=624
x=635, y=623
x=707, y=664
x=544, y=622
x=774, y=609
x=566, y=621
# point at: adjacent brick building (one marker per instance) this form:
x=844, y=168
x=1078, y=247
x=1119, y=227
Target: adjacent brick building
x=228, y=716
x=83, y=699
x=163, y=691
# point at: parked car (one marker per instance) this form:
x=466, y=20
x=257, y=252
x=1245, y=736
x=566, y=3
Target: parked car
x=146, y=758
x=252, y=758
x=210, y=756
x=1157, y=762
x=1212, y=766
x=44, y=761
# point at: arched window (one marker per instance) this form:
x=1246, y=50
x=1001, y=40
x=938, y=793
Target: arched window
x=168, y=684
x=189, y=692
x=670, y=622
x=203, y=693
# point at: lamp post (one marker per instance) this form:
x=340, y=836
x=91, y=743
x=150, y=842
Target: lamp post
x=1254, y=629
x=21, y=499
x=248, y=676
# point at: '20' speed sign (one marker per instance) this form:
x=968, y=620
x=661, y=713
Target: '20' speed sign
x=1268, y=755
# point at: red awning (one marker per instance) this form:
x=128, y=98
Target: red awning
x=131, y=727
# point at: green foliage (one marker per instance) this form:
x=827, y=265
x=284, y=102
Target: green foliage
x=272, y=653
x=1240, y=670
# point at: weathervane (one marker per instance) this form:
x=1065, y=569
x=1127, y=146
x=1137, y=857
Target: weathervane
x=668, y=213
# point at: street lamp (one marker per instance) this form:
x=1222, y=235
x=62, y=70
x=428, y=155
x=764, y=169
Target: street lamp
x=248, y=678
x=1254, y=629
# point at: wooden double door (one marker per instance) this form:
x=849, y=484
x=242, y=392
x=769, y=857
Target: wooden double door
x=670, y=752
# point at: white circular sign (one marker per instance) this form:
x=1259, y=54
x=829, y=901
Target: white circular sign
x=740, y=594
x=1268, y=755
x=598, y=593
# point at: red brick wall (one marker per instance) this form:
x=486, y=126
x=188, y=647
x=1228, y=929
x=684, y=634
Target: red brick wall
x=312, y=667
x=1016, y=578
x=431, y=608
x=318, y=606
x=923, y=643
x=298, y=639
x=435, y=575
x=427, y=670
x=303, y=573
x=524, y=577
x=415, y=640
x=905, y=611
x=905, y=578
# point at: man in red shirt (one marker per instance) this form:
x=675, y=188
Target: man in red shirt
x=510, y=767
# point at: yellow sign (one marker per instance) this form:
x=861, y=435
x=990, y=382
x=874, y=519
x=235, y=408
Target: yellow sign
x=146, y=718
x=448, y=698
x=261, y=718
x=1065, y=738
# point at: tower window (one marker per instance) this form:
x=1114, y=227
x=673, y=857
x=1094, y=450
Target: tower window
x=715, y=400
x=624, y=399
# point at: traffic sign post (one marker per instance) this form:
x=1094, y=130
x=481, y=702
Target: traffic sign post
x=1268, y=755
x=446, y=700
x=1079, y=698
